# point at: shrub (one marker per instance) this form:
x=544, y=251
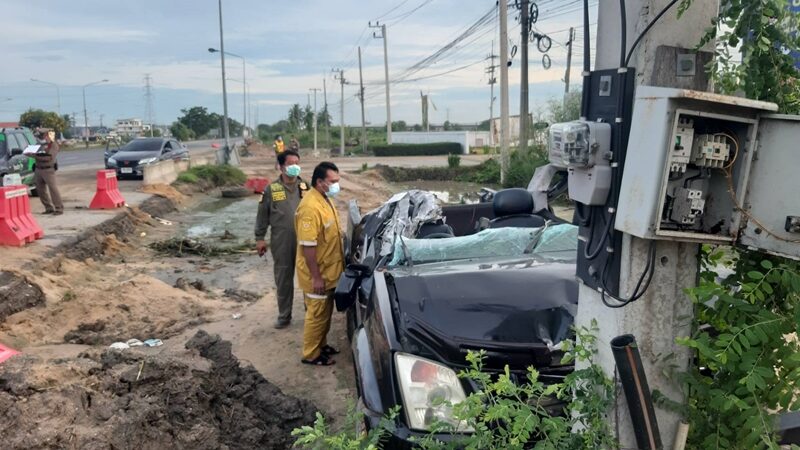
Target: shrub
x=224, y=175
x=440, y=148
x=188, y=178
x=453, y=161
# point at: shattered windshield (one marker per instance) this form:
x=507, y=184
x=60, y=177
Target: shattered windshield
x=551, y=240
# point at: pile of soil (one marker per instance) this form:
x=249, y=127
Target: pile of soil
x=165, y=191
x=199, y=398
x=94, y=242
x=17, y=294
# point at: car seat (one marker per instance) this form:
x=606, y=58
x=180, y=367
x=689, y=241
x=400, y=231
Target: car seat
x=514, y=208
x=435, y=230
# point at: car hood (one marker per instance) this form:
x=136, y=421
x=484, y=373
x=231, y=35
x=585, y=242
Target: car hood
x=516, y=310
x=135, y=156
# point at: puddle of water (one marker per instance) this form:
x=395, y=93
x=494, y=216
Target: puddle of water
x=451, y=192
x=218, y=217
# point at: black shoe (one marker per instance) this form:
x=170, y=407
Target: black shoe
x=279, y=325
x=58, y=213
x=48, y=212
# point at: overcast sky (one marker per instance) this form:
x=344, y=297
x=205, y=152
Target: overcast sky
x=290, y=47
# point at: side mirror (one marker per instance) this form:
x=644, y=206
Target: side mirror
x=349, y=282
x=16, y=151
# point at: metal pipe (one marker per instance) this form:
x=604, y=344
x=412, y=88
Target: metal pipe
x=681, y=434
x=587, y=58
x=637, y=392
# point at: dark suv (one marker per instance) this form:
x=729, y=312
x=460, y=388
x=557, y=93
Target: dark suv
x=12, y=142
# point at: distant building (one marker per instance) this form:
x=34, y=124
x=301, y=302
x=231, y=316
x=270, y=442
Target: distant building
x=131, y=127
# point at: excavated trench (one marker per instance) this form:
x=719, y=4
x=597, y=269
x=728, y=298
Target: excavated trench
x=106, y=286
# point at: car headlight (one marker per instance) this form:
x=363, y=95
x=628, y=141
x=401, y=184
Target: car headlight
x=429, y=390
x=148, y=161
x=112, y=162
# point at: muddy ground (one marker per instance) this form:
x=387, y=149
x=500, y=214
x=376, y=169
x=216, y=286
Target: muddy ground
x=224, y=378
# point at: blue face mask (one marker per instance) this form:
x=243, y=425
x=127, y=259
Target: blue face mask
x=293, y=170
x=333, y=190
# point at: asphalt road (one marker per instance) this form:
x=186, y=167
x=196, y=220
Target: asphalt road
x=94, y=157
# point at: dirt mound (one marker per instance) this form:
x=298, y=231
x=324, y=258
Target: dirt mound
x=164, y=190
x=143, y=399
x=94, y=242
x=98, y=304
x=17, y=294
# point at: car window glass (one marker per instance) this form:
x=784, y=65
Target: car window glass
x=29, y=137
x=13, y=144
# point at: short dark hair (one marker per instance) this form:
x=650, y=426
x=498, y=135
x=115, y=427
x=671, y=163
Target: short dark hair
x=285, y=154
x=321, y=171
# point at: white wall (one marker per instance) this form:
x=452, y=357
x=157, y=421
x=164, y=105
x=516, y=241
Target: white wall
x=467, y=139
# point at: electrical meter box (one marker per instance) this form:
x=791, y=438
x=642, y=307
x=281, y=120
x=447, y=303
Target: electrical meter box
x=708, y=168
x=584, y=148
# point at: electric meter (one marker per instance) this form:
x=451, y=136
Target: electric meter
x=584, y=148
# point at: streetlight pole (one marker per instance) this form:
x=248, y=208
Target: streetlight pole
x=229, y=156
x=244, y=78
x=58, y=93
x=86, y=114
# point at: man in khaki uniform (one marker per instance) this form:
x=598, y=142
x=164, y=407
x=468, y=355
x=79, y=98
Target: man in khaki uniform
x=276, y=210
x=320, y=261
x=45, y=174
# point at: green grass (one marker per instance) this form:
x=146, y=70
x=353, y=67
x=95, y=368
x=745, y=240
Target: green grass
x=223, y=175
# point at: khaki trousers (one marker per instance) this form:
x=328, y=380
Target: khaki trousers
x=319, y=309
x=47, y=189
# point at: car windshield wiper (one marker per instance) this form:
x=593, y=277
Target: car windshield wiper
x=538, y=237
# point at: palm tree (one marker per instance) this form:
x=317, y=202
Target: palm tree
x=295, y=117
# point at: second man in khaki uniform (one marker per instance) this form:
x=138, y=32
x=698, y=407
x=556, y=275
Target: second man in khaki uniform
x=277, y=211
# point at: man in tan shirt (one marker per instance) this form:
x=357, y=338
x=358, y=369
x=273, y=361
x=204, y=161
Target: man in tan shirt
x=45, y=174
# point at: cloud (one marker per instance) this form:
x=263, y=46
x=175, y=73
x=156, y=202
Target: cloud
x=26, y=33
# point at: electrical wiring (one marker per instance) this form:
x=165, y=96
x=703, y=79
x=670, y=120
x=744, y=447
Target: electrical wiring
x=736, y=149
x=639, y=289
x=406, y=15
x=646, y=30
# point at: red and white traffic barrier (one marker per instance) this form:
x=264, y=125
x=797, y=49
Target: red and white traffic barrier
x=257, y=185
x=107, y=195
x=17, y=225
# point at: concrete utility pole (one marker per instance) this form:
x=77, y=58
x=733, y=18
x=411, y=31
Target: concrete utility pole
x=228, y=156
x=361, y=96
x=569, y=61
x=327, y=113
x=504, y=122
x=341, y=79
x=664, y=312
x=386, y=74
x=315, y=116
x=492, y=81
x=148, y=102
x=523, y=87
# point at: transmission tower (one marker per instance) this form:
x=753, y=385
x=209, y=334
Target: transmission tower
x=148, y=102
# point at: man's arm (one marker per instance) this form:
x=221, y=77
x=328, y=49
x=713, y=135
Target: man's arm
x=262, y=222
x=317, y=283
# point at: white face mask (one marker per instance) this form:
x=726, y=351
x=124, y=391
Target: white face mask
x=333, y=190
x=293, y=170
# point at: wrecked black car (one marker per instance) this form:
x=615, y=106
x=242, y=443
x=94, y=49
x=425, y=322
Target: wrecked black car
x=425, y=284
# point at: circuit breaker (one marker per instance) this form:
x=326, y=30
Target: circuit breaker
x=709, y=168
x=584, y=148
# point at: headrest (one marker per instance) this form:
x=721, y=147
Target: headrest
x=512, y=201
